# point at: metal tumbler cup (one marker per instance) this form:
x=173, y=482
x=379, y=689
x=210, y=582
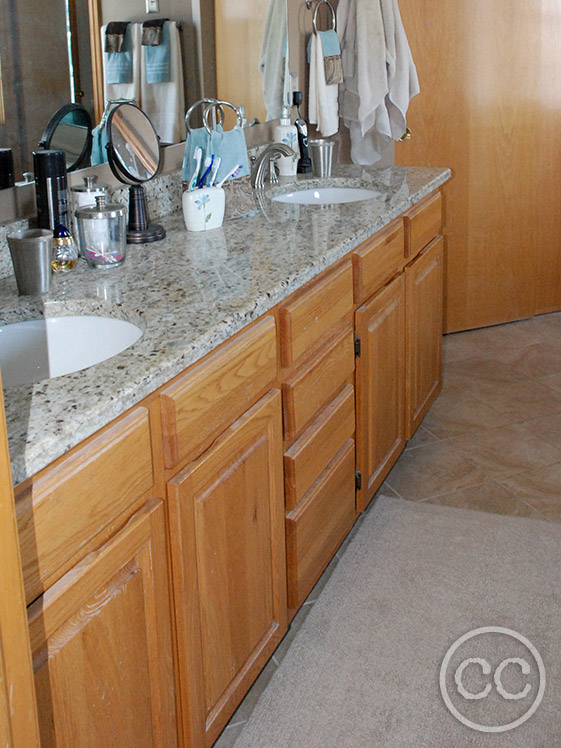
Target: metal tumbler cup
x=321, y=153
x=31, y=257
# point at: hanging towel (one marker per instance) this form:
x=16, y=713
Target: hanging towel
x=118, y=53
x=164, y=103
x=229, y=145
x=130, y=89
x=157, y=55
x=323, y=100
x=99, y=143
x=274, y=62
x=379, y=75
x=331, y=56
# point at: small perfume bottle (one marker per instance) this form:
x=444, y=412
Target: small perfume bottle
x=65, y=252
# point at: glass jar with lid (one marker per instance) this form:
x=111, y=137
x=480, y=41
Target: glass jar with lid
x=102, y=233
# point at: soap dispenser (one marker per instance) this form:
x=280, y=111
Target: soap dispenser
x=286, y=132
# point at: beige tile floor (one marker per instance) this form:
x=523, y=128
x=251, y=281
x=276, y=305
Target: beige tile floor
x=491, y=442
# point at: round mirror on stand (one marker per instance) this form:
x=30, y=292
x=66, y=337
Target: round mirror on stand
x=133, y=151
x=70, y=130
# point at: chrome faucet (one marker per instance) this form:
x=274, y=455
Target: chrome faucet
x=267, y=159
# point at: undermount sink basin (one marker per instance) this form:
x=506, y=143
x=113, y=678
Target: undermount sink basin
x=327, y=196
x=43, y=348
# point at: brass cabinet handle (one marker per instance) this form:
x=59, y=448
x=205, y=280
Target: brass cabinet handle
x=407, y=135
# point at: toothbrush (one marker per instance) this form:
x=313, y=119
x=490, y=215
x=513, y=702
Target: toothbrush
x=197, y=155
x=206, y=171
x=214, y=172
x=231, y=174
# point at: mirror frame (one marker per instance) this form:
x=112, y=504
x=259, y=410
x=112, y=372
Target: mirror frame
x=55, y=121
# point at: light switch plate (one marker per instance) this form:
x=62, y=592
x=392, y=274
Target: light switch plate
x=152, y=6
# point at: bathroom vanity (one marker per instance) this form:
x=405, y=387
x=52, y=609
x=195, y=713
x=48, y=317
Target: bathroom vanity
x=177, y=503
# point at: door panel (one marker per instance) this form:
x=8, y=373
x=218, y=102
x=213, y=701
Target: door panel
x=492, y=114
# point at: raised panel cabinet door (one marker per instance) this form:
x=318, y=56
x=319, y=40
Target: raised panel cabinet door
x=102, y=645
x=424, y=327
x=380, y=387
x=229, y=568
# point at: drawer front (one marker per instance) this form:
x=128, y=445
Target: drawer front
x=309, y=456
x=317, y=527
x=314, y=311
x=377, y=260
x=66, y=506
x=211, y=395
x=422, y=224
x=315, y=385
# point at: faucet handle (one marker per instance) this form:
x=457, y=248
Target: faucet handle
x=273, y=167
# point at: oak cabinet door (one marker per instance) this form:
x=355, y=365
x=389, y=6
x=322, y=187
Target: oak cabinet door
x=102, y=646
x=424, y=278
x=380, y=387
x=229, y=569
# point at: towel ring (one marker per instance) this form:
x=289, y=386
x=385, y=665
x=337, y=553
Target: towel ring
x=218, y=104
x=210, y=104
x=333, y=15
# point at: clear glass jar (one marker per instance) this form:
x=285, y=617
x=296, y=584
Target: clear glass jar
x=102, y=233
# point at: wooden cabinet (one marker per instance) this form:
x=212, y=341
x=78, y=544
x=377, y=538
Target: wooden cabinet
x=228, y=555
x=102, y=645
x=238, y=541
x=317, y=350
x=380, y=387
x=424, y=279
x=63, y=509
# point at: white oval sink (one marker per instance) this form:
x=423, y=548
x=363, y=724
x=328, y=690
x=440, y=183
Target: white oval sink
x=43, y=348
x=327, y=196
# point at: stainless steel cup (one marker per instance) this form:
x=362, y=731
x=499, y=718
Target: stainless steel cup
x=31, y=251
x=321, y=153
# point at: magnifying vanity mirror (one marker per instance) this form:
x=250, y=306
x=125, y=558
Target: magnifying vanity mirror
x=70, y=130
x=133, y=151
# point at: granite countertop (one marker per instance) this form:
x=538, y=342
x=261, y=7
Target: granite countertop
x=189, y=293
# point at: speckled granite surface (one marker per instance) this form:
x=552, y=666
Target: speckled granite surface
x=189, y=293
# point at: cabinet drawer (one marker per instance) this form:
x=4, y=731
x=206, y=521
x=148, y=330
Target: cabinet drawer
x=310, y=455
x=314, y=311
x=316, y=384
x=317, y=527
x=377, y=260
x=211, y=395
x=66, y=506
x=422, y=224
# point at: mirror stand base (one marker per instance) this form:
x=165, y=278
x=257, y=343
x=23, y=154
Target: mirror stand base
x=152, y=233
x=139, y=231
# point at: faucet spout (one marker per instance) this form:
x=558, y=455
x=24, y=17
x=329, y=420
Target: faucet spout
x=270, y=154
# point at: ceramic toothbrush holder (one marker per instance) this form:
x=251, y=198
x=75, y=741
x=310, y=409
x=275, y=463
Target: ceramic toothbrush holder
x=203, y=209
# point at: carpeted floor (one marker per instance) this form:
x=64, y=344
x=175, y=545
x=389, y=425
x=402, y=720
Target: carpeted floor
x=364, y=670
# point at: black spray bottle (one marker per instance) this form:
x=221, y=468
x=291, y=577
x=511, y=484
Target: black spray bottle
x=51, y=189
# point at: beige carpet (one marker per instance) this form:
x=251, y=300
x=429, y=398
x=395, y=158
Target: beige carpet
x=364, y=669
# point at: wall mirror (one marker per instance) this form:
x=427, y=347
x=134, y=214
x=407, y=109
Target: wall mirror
x=40, y=72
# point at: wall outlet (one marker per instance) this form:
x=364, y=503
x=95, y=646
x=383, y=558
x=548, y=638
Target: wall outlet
x=152, y=6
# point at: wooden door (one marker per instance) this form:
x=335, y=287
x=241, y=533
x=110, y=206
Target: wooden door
x=18, y=713
x=423, y=336
x=490, y=75
x=380, y=387
x=102, y=647
x=228, y=556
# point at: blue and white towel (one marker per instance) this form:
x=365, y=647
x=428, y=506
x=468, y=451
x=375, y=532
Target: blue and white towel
x=229, y=145
x=157, y=59
x=119, y=65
